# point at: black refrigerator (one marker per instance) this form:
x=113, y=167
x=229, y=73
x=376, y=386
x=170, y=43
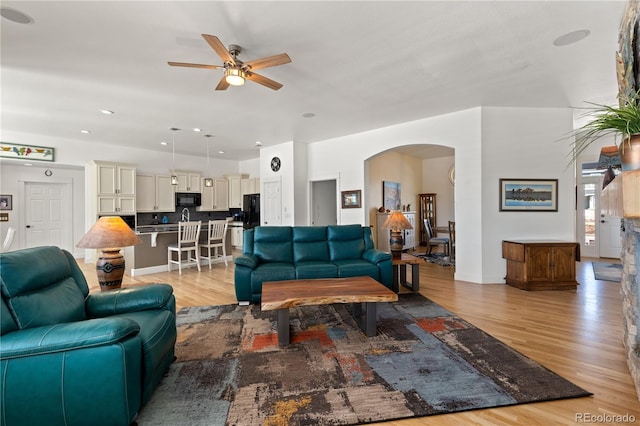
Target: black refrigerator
x=251, y=209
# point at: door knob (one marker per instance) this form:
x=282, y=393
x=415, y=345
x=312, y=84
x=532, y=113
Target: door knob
x=28, y=226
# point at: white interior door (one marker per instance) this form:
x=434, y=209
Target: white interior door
x=610, y=239
x=47, y=215
x=599, y=233
x=272, y=203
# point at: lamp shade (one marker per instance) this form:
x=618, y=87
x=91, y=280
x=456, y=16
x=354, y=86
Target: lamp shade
x=397, y=220
x=109, y=232
x=609, y=157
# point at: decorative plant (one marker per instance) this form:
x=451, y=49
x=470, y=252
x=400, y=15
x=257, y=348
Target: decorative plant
x=606, y=120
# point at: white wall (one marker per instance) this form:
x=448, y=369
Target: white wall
x=13, y=176
x=79, y=153
x=523, y=143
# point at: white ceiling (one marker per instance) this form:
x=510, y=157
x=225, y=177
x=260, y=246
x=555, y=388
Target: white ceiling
x=355, y=65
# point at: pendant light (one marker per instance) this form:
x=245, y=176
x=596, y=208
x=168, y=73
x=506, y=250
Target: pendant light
x=208, y=181
x=174, y=177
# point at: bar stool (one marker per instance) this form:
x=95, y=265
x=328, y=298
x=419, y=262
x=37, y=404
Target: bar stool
x=216, y=239
x=188, y=236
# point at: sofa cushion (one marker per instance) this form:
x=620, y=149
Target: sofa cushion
x=273, y=244
x=316, y=269
x=345, y=242
x=310, y=244
x=8, y=324
x=357, y=268
x=271, y=272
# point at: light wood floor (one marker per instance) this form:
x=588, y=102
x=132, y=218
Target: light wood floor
x=576, y=334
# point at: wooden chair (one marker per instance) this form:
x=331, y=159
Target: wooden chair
x=435, y=241
x=216, y=239
x=188, y=236
x=452, y=239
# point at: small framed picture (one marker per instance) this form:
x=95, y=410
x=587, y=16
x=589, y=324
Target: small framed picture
x=6, y=202
x=528, y=195
x=351, y=199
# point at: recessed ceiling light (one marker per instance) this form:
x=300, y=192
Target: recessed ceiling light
x=308, y=115
x=572, y=37
x=106, y=112
x=220, y=152
x=163, y=143
x=258, y=143
x=28, y=164
x=16, y=16
x=86, y=132
x=197, y=129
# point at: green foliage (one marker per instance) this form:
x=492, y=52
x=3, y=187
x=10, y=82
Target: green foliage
x=606, y=120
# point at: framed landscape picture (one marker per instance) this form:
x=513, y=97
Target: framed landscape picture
x=351, y=199
x=525, y=195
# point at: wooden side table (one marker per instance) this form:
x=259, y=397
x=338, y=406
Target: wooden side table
x=400, y=272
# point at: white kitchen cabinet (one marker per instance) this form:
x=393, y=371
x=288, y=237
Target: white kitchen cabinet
x=216, y=197
x=236, y=236
x=189, y=181
x=115, y=187
x=154, y=193
x=235, y=190
x=250, y=186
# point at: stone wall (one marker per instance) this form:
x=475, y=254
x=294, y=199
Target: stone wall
x=629, y=289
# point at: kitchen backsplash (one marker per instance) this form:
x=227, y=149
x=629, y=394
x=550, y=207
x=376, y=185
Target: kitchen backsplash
x=174, y=217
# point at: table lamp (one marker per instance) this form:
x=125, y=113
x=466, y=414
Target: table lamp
x=609, y=158
x=396, y=222
x=109, y=233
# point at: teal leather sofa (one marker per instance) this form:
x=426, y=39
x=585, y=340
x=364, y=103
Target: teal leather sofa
x=275, y=253
x=68, y=357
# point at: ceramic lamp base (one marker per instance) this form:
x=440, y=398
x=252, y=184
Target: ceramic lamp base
x=110, y=269
x=396, y=243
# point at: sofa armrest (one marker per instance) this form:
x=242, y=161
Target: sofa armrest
x=131, y=299
x=66, y=336
x=249, y=260
x=375, y=256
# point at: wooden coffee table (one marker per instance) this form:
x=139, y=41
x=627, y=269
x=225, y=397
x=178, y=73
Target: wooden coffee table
x=282, y=295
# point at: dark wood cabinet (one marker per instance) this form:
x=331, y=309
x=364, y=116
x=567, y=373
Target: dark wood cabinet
x=541, y=264
x=426, y=210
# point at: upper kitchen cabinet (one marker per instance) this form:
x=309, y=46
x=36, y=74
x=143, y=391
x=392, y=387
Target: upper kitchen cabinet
x=188, y=181
x=216, y=197
x=112, y=187
x=250, y=186
x=154, y=193
x=235, y=190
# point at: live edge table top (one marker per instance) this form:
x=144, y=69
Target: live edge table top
x=290, y=293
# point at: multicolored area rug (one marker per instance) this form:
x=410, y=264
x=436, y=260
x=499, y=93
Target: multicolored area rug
x=424, y=361
x=607, y=271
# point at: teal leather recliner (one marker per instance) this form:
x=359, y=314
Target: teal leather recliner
x=275, y=253
x=68, y=357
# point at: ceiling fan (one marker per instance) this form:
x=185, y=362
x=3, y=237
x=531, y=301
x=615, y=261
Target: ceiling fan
x=236, y=71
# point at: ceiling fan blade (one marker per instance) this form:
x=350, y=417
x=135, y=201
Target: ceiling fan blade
x=185, y=64
x=270, y=61
x=222, y=85
x=217, y=45
x=260, y=79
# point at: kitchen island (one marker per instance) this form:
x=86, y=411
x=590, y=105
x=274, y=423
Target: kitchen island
x=150, y=256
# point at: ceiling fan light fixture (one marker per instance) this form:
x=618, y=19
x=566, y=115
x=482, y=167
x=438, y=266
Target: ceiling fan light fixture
x=234, y=76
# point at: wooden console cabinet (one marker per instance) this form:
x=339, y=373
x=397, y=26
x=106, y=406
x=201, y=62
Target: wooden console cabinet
x=541, y=264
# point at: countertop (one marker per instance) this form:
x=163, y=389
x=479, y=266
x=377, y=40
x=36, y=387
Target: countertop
x=173, y=227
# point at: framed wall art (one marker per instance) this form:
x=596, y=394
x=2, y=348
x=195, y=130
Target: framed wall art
x=524, y=195
x=26, y=152
x=391, y=195
x=6, y=202
x=352, y=199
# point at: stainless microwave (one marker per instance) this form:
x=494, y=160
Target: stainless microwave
x=188, y=199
